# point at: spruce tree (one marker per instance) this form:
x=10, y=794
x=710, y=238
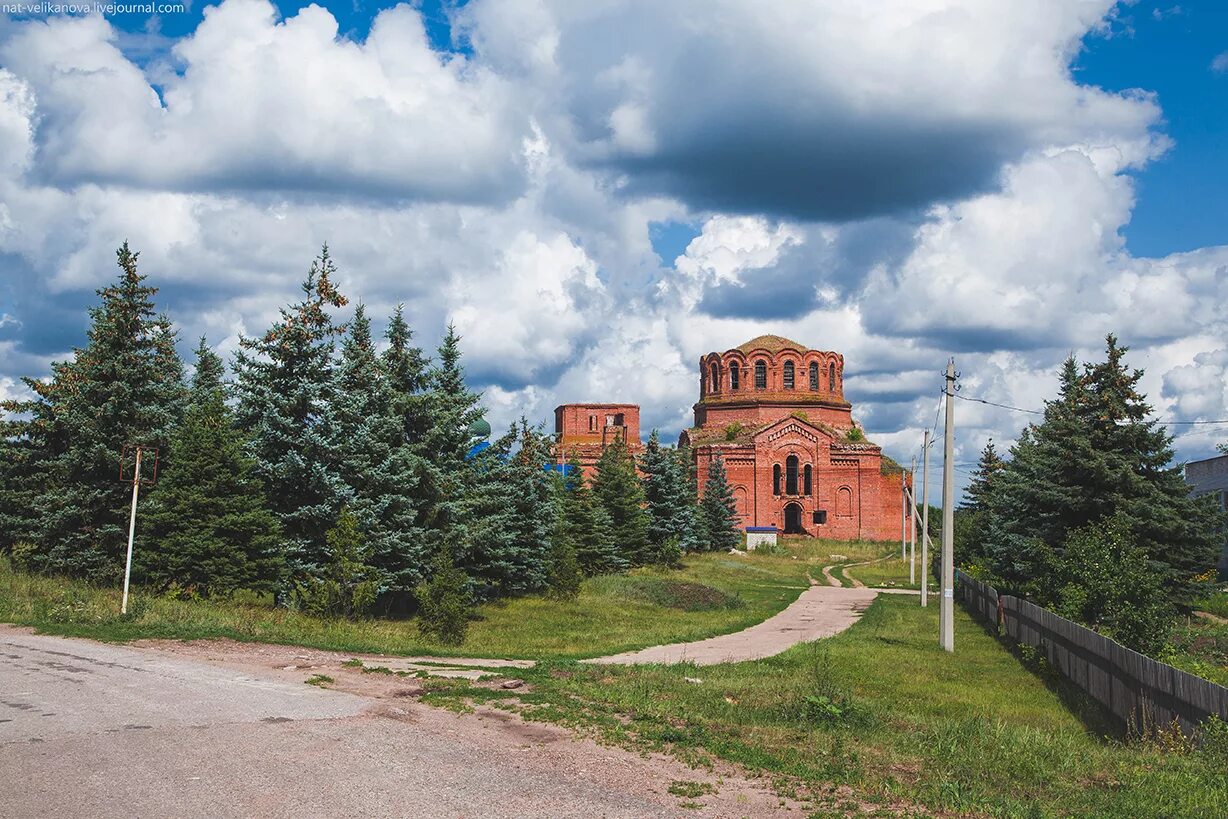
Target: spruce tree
x=1097, y=454
x=208, y=530
x=452, y=409
x=718, y=509
x=670, y=513
x=379, y=468
x=971, y=531
x=619, y=492
x=507, y=516
x=408, y=372
x=124, y=387
x=285, y=388
x=584, y=525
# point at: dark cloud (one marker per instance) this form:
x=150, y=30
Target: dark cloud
x=820, y=170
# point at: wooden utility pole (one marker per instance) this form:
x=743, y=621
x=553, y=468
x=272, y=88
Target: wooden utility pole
x=946, y=610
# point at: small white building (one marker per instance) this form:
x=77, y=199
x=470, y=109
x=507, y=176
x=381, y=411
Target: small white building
x=757, y=536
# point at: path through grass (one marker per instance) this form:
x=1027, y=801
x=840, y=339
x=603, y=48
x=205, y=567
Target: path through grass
x=879, y=716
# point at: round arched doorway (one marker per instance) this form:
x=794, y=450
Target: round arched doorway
x=793, y=519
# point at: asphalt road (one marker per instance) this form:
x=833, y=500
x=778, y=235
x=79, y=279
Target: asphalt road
x=89, y=729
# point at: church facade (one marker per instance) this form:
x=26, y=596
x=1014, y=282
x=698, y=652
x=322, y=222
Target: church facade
x=774, y=411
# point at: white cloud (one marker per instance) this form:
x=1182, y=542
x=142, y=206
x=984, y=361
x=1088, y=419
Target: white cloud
x=263, y=104
x=822, y=108
x=1220, y=64
x=494, y=191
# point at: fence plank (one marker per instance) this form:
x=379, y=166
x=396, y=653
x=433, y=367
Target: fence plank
x=1138, y=690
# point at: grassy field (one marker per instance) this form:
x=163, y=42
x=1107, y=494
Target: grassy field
x=612, y=614
x=878, y=718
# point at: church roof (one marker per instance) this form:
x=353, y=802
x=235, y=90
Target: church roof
x=773, y=344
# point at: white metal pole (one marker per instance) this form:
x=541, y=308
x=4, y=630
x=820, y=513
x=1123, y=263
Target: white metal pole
x=136, y=487
x=925, y=520
x=912, y=521
x=947, y=603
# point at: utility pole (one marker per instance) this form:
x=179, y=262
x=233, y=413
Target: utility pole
x=946, y=604
x=903, y=515
x=925, y=521
x=136, y=488
x=912, y=524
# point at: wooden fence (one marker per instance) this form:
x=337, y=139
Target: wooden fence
x=1139, y=691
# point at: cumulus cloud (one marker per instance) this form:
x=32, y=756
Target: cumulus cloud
x=901, y=186
x=262, y=104
x=820, y=109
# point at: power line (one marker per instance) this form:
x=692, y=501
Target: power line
x=1216, y=422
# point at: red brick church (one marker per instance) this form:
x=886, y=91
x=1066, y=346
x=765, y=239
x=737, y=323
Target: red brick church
x=775, y=413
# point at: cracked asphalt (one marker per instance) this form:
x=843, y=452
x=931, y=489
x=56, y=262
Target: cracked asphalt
x=89, y=729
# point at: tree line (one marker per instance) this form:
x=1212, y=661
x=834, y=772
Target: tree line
x=340, y=477
x=1088, y=515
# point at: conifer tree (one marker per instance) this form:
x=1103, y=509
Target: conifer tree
x=453, y=409
x=584, y=525
x=507, y=516
x=1097, y=454
x=971, y=532
x=208, y=530
x=285, y=387
x=379, y=468
x=670, y=513
x=125, y=386
x=619, y=492
x=445, y=602
x=718, y=509
x=696, y=538
x=408, y=372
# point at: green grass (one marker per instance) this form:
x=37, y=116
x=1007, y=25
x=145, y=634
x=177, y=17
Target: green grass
x=882, y=710
x=891, y=572
x=711, y=594
x=1216, y=603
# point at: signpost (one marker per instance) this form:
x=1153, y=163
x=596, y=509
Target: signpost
x=136, y=488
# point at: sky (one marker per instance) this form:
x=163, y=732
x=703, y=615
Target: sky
x=598, y=194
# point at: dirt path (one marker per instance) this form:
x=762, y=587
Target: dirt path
x=820, y=611
x=221, y=729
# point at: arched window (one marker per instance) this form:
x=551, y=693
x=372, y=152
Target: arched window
x=789, y=375
x=715, y=371
x=807, y=480
x=844, y=502
x=831, y=377
x=814, y=376
x=761, y=374
x=791, y=475
x=733, y=376
x=776, y=479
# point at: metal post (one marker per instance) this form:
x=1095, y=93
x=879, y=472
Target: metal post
x=136, y=487
x=947, y=602
x=925, y=520
x=912, y=520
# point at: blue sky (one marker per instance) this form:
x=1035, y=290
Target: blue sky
x=597, y=194
x=1168, y=49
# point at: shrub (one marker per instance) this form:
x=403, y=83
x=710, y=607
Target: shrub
x=854, y=435
x=445, y=603
x=23, y=555
x=1106, y=582
x=349, y=586
x=734, y=430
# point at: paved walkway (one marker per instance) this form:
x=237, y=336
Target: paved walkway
x=820, y=611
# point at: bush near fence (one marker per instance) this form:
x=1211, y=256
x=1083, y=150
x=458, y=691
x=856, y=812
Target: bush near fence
x=1139, y=691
